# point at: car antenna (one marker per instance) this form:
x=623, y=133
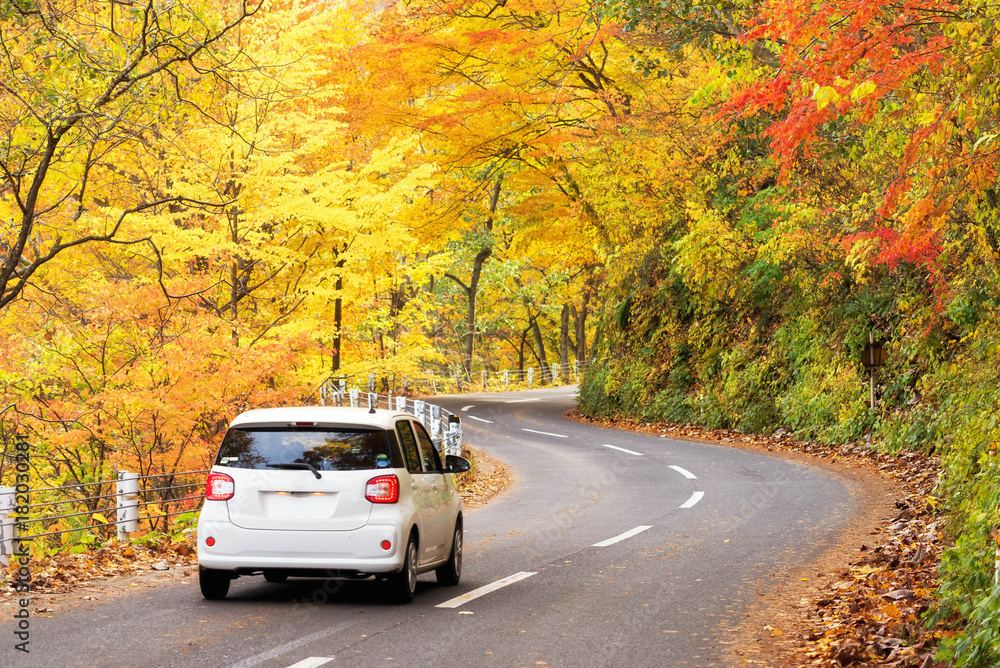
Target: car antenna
x=371, y=410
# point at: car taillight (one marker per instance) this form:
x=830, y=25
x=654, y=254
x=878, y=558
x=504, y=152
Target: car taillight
x=383, y=489
x=219, y=487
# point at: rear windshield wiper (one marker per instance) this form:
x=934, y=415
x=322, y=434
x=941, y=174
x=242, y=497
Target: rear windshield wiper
x=297, y=465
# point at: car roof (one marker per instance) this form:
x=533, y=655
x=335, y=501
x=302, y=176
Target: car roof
x=320, y=415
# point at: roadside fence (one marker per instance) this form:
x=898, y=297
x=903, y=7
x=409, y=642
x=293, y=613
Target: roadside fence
x=483, y=380
x=86, y=508
x=444, y=426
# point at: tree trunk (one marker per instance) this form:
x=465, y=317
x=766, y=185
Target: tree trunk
x=564, y=337
x=234, y=269
x=580, y=323
x=471, y=293
x=520, y=351
x=472, y=289
x=338, y=319
x=338, y=323
x=540, y=346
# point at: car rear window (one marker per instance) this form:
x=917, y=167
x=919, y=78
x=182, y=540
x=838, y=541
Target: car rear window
x=340, y=449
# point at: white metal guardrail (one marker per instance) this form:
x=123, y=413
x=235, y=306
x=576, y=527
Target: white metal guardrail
x=484, y=380
x=162, y=495
x=444, y=426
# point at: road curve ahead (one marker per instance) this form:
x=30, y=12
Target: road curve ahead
x=612, y=549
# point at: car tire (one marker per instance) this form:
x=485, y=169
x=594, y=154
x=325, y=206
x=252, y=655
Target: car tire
x=403, y=585
x=276, y=578
x=449, y=574
x=214, y=584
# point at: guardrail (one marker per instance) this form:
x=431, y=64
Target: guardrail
x=89, y=505
x=444, y=426
x=485, y=380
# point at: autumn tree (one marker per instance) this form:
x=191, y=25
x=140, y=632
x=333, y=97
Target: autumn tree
x=495, y=93
x=84, y=91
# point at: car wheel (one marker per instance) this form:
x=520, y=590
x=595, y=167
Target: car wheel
x=214, y=584
x=403, y=585
x=277, y=578
x=449, y=574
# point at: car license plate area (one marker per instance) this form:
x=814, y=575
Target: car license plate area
x=298, y=505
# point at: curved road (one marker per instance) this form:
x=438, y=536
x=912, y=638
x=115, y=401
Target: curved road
x=613, y=548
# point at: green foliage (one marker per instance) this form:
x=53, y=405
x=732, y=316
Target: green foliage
x=905, y=431
x=746, y=389
x=150, y=538
x=184, y=524
x=964, y=428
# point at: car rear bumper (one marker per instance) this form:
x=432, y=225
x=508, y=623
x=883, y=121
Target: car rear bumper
x=358, y=550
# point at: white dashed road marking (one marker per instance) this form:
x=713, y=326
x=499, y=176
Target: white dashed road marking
x=312, y=662
x=695, y=498
x=546, y=433
x=687, y=474
x=258, y=659
x=630, y=452
x=473, y=417
x=482, y=591
x=622, y=536
x=467, y=408
x=520, y=401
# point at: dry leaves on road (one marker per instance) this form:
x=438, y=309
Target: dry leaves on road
x=872, y=616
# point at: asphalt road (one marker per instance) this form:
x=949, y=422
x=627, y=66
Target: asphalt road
x=612, y=549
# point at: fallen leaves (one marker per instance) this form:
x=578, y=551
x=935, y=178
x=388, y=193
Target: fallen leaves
x=62, y=572
x=487, y=478
x=877, y=619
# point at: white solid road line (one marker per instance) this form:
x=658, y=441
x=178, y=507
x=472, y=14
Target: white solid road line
x=521, y=401
x=687, y=474
x=630, y=452
x=695, y=498
x=546, y=433
x=312, y=662
x=622, y=536
x=482, y=591
x=473, y=417
x=467, y=408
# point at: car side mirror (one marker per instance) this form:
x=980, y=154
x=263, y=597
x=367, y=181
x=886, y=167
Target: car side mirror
x=455, y=464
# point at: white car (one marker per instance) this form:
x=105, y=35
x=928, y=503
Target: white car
x=330, y=492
